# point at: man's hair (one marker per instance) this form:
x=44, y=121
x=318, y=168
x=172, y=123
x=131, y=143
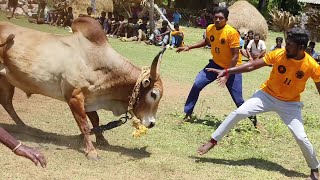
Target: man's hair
x=89, y=9
x=298, y=36
x=222, y=10
x=250, y=31
x=311, y=43
x=279, y=39
x=257, y=34
x=176, y=25
x=164, y=23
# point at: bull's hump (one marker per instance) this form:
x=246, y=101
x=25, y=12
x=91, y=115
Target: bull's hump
x=91, y=29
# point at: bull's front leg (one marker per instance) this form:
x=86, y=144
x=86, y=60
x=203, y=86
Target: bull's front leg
x=76, y=104
x=94, y=118
x=6, y=95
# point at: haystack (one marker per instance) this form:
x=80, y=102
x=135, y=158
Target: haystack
x=244, y=17
x=80, y=6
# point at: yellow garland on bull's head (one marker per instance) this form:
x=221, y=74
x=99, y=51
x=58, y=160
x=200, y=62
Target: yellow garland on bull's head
x=140, y=128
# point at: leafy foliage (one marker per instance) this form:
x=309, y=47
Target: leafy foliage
x=313, y=23
x=283, y=20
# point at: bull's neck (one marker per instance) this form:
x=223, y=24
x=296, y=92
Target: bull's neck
x=121, y=79
x=127, y=78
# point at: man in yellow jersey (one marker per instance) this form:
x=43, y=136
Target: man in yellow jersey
x=225, y=43
x=291, y=68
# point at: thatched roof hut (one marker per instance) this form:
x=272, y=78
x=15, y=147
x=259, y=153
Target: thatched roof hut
x=80, y=6
x=244, y=17
x=310, y=1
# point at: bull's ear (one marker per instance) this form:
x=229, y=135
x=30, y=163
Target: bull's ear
x=155, y=66
x=145, y=82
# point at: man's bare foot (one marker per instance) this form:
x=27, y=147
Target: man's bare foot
x=206, y=147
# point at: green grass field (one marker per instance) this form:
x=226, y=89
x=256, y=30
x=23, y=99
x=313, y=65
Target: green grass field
x=168, y=151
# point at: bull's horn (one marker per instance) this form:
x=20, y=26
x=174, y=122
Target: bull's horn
x=155, y=66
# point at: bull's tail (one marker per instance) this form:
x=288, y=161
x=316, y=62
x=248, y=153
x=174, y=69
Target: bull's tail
x=8, y=40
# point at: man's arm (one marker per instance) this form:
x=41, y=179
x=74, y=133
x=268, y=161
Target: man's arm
x=199, y=44
x=20, y=149
x=250, y=66
x=235, y=57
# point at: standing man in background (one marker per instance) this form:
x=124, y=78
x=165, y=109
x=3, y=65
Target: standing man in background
x=225, y=43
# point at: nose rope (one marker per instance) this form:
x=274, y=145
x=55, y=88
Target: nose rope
x=140, y=129
x=136, y=123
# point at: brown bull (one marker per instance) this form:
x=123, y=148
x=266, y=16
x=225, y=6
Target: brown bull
x=82, y=70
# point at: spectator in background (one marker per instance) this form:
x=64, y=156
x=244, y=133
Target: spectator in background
x=176, y=37
x=143, y=30
x=132, y=28
x=59, y=19
x=122, y=25
x=68, y=18
x=22, y=150
x=160, y=37
x=12, y=4
x=164, y=11
x=310, y=49
x=256, y=48
x=248, y=38
x=107, y=24
x=279, y=41
x=201, y=21
x=102, y=18
x=176, y=17
x=89, y=13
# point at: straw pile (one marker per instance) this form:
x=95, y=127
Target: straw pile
x=244, y=17
x=80, y=6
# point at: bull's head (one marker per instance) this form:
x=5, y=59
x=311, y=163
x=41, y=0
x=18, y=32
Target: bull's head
x=150, y=94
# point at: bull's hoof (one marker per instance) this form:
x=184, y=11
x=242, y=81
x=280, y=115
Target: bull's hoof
x=93, y=155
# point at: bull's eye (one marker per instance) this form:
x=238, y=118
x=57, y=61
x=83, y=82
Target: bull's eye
x=153, y=95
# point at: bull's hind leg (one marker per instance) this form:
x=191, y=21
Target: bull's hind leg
x=76, y=104
x=94, y=118
x=6, y=95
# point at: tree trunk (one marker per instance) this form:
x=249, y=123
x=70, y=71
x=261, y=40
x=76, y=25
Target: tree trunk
x=169, y=3
x=261, y=5
x=151, y=16
x=283, y=4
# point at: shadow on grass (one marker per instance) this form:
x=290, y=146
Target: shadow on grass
x=257, y=163
x=208, y=122
x=74, y=142
x=212, y=121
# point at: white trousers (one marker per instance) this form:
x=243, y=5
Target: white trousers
x=290, y=113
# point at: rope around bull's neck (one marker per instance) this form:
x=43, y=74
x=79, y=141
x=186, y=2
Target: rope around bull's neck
x=140, y=129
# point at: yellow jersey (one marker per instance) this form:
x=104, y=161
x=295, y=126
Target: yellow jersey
x=221, y=43
x=288, y=77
